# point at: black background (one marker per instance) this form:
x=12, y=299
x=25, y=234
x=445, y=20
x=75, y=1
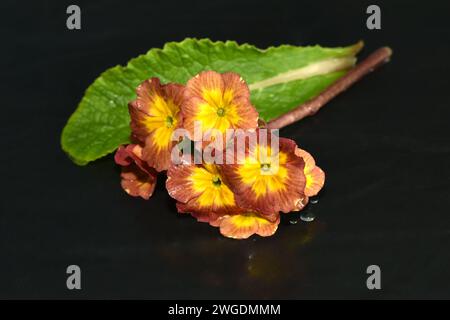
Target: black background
x=384, y=146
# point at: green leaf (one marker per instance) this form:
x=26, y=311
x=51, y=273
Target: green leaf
x=280, y=78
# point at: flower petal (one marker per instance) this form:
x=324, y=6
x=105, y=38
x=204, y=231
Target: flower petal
x=242, y=226
x=315, y=177
x=310, y=163
x=122, y=156
x=315, y=180
x=137, y=183
x=201, y=216
x=138, y=179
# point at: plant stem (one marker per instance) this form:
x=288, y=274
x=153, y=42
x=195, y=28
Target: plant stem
x=376, y=59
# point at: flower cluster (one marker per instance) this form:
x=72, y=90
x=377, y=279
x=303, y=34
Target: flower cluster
x=255, y=175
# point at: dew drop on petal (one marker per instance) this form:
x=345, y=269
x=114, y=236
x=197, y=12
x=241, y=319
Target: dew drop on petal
x=293, y=221
x=314, y=200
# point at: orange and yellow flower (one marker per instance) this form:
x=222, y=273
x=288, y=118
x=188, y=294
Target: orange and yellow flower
x=155, y=114
x=315, y=177
x=201, y=191
x=138, y=179
x=218, y=102
x=268, y=182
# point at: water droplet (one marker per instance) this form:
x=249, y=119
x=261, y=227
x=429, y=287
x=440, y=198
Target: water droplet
x=307, y=216
x=293, y=221
x=314, y=200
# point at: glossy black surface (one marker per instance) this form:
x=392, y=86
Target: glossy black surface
x=384, y=146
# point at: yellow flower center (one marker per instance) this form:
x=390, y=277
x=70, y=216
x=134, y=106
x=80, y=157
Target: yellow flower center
x=208, y=184
x=221, y=112
x=169, y=122
x=218, y=110
x=216, y=181
x=264, y=176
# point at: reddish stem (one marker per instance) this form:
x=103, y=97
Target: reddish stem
x=376, y=59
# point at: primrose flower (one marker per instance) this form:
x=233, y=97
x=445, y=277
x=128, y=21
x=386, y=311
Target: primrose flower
x=267, y=181
x=201, y=191
x=218, y=102
x=155, y=114
x=315, y=177
x=243, y=225
x=138, y=179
